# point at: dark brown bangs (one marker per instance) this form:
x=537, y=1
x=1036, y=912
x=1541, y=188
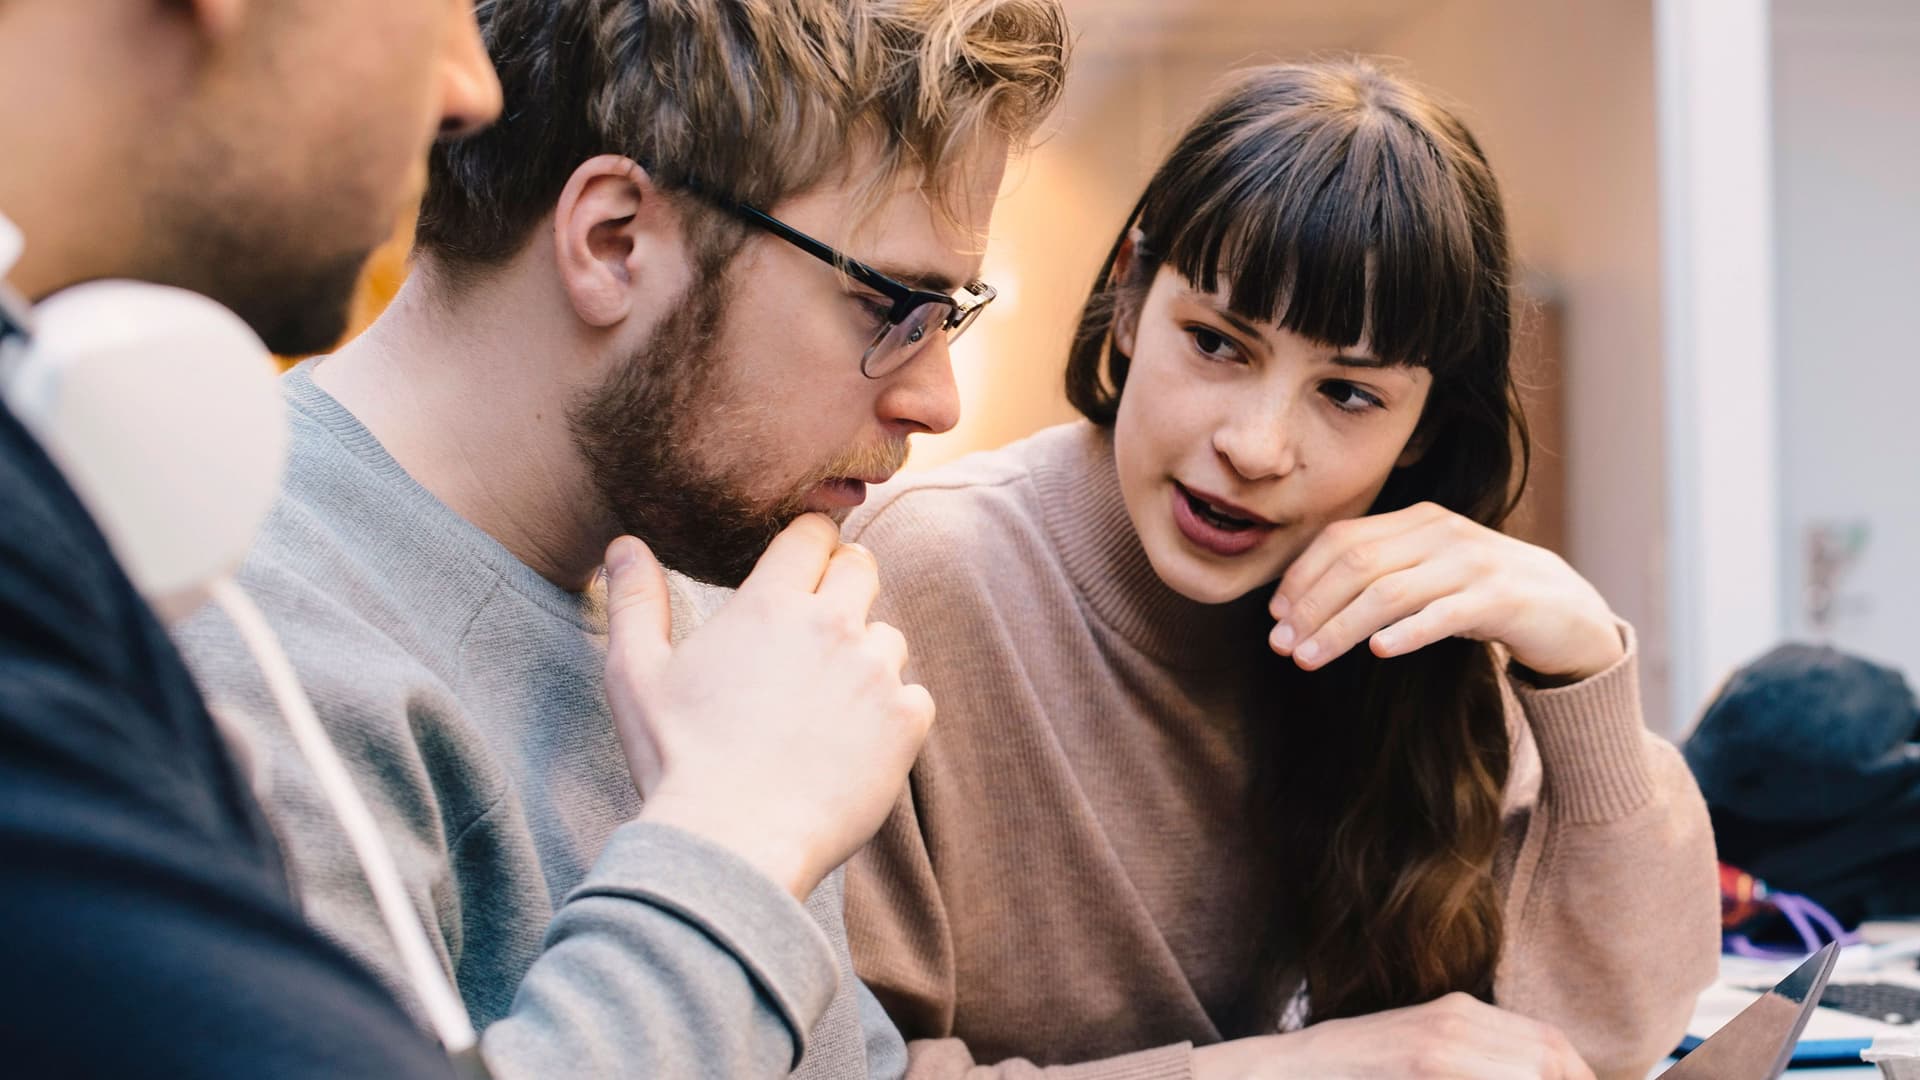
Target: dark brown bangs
x=1333, y=217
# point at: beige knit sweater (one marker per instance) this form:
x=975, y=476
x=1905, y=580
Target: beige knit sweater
x=1065, y=881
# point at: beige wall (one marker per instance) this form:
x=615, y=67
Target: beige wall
x=1846, y=111
x=1063, y=206
x=1562, y=94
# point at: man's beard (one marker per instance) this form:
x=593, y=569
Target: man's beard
x=296, y=302
x=295, y=312
x=642, y=432
x=281, y=265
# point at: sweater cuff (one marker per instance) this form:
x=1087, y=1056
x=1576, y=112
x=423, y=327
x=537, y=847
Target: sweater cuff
x=1173, y=1062
x=764, y=928
x=1593, y=756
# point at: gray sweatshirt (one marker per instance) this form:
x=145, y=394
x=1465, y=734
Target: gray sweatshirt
x=464, y=692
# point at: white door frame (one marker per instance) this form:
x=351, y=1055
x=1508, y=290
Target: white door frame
x=1723, y=561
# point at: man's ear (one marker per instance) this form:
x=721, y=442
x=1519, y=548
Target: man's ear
x=607, y=225
x=1127, y=297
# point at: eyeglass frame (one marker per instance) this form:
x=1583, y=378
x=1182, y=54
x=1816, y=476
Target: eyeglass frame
x=905, y=298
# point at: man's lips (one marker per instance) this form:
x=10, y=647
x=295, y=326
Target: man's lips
x=840, y=492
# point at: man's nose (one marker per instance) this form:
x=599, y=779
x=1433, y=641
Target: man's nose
x=922, y=396
x=469, y=89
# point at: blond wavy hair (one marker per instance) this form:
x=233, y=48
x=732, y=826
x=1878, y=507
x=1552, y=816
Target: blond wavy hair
x=754, y=100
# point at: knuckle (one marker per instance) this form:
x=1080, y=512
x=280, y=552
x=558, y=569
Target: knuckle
x=1456, y=1007
x=1430, y=1061
x=1485, y=567
x=1387, y=592
x=888, y=641
x=833, y=625
x=1498, y=594
x=922, y=703
x=1308, y=611
x=860, y=557
x=1360, y=558
x=753, y=604
x=916, y=708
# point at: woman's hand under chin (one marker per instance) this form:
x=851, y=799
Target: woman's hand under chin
x=1404, y=580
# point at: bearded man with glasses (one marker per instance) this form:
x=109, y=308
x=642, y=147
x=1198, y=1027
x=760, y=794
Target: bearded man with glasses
x=696, y=288
x=692, y=453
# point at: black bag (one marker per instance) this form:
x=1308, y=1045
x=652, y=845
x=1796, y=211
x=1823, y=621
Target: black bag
x=1810, y=766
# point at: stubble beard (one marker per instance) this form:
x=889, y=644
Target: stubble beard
x=288, y=265
x=674, y=445
x=640, y=431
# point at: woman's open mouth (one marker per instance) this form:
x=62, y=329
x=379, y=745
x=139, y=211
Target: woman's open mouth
x=1215, y=526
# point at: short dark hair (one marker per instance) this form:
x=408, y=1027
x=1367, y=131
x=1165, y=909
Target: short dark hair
x=756, y=101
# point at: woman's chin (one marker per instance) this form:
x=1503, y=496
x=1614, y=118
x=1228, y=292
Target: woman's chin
x=1203, y=584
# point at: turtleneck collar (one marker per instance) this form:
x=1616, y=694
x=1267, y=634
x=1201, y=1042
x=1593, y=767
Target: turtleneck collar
x=1086, y=518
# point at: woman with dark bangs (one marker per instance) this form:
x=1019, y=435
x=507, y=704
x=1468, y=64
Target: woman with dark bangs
x=1395, y=815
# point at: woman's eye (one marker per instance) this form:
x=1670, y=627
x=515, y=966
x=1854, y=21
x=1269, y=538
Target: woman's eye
x=1212, y=343
x=1349, y=397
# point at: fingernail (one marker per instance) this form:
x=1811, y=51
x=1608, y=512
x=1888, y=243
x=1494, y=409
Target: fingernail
x=1308, y=653
x=622, y=554
x=1384, y=641
x=1282, y=637
x=1279, y=608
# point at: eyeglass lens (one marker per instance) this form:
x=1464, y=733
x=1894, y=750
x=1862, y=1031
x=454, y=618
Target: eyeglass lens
x=899, y=341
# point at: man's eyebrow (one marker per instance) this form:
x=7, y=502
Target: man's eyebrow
x=930, y=280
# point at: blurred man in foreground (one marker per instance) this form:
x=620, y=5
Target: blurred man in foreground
x=254, y=152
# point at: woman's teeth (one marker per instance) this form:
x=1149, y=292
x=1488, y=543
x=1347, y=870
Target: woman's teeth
x=1206, y=512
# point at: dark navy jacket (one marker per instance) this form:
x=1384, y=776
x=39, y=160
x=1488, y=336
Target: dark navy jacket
x=146, y=923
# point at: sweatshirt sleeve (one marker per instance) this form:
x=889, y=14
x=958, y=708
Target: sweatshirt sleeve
x=1613, y=922
x=672, y=957
x=902, y=948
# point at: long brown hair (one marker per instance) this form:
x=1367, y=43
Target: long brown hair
x=1336, y=200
